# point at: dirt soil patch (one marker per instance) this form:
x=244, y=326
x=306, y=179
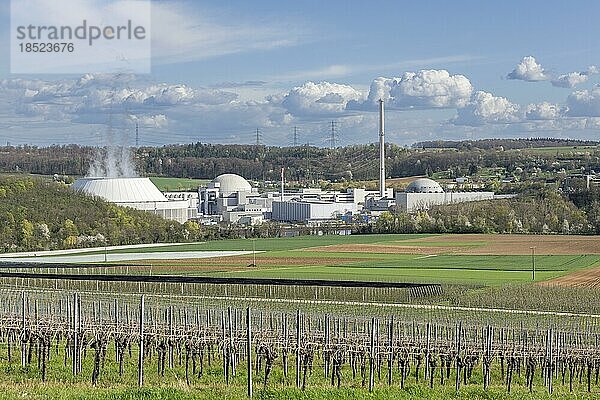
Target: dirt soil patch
x=521, y=244
x=384, y=249
x=583, y=278
x=478, y=245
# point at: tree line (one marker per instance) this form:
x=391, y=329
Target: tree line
x=521, y=143
x=302, y=163
x=537, y=211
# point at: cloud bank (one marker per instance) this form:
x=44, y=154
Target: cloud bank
x=584, y=103
x=171, y=112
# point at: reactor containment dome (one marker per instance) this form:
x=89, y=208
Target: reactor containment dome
x=231, y=183
x=424, y=185
x=138, y=193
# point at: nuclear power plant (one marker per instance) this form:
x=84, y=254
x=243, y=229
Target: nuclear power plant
x=231, y=199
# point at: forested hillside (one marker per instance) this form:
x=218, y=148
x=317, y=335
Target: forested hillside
x=39, y=214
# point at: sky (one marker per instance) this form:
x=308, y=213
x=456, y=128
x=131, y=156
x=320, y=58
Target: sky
x=222, y=70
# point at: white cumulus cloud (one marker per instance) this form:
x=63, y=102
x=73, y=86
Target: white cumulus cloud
x=584, y=103
x=529, y=70
x=93, y=97
x=422, y=89
x=323, y=98
x=544, y=111
x=570, y=80
x=485, y=108
x=573, y=79
x=152, y=121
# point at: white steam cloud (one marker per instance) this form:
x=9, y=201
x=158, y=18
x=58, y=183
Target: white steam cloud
x=112, y=162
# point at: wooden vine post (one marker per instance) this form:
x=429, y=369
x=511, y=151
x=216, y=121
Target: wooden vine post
x=249, y=350
x=75, y=334
x=23, y=333
x=141, y=354
x=297, y=348
x=372, y=357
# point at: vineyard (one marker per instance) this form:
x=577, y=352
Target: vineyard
x=146, y=339
x=368, y=317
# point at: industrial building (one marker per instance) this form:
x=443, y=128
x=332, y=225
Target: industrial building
x=230, y=198
x=311, y=210
x=423, y=193
x=190, y=197
x=138, y=193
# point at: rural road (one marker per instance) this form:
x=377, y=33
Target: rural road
x=45, y=253
x=118, y=257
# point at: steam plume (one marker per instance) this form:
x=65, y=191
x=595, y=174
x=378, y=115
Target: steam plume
x=114, y=160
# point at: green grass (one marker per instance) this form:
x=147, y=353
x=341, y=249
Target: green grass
x=25, y=383
x=167, y=184
x=459, y=269
x=273, y=244
x=66, y=392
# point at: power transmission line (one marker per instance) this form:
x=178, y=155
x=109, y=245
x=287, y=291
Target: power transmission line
x=258, y=136
x=333, y=138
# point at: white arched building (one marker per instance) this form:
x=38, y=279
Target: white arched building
x=138, y=193
x=423, y=193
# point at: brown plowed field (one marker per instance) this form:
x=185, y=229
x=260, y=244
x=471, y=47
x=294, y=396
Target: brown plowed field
x=479, y=245
x=385, y=249
x=583, y=278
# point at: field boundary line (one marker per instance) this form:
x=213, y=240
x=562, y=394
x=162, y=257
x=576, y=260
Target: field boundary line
x=397, y=305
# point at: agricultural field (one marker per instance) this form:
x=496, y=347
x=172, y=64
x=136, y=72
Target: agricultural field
x=456, y=259
x=168, y=184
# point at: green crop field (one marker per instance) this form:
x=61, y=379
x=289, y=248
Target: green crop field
x=305, y=258
x=487, y=270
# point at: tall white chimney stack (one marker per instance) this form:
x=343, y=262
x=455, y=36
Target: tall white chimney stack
x=282, y=183
x=381, y=151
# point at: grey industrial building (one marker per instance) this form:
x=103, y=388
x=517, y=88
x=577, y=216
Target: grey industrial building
x=310, y=210
x=230, y=198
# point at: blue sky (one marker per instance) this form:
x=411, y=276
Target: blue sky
x=222, y=69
